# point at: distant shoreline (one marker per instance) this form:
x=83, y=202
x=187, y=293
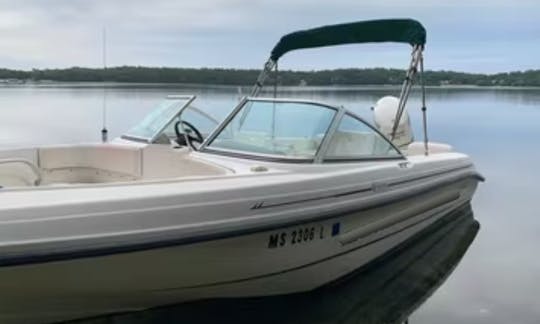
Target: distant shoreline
x=236, y=77
x=244, y=88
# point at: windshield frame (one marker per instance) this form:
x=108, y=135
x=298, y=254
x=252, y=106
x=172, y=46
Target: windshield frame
x=262, y=156
x=189, y=99
x=324, y=158
x=319, y=156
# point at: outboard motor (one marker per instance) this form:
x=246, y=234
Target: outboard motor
x=384, y=116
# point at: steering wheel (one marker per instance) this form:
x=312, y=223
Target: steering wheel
x=180, y=138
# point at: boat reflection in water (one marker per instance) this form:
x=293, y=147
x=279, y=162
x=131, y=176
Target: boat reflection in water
x=387, y=290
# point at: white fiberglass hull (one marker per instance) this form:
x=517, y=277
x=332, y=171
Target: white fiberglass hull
x=259, y=262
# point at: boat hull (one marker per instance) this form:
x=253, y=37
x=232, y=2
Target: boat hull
x=280, y=260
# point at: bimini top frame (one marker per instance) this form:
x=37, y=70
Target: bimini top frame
x=373, y=31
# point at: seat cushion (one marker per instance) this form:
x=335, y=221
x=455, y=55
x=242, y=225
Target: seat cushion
x=115, y=158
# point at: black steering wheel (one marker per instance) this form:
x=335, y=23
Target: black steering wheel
x=181, y=138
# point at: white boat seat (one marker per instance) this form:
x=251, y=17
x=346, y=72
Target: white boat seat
x=90, y=163
x=19, y=172
x=352, y=144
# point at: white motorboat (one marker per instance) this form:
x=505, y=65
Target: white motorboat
x=282, y=196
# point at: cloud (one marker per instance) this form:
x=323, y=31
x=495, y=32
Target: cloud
x=240, y=33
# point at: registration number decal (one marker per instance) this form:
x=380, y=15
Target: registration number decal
x=301, y=235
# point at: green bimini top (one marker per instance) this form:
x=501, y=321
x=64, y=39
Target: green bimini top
x=372, y=31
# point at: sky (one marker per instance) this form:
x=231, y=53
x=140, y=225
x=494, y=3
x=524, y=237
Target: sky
x=472, y=36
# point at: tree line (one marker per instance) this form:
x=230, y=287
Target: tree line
x=369, y=76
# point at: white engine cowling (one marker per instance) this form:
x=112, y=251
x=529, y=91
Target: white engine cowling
x=384, y=116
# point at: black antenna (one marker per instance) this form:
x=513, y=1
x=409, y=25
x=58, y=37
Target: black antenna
x=104, y=131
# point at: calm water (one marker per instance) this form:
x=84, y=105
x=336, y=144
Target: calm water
x=498, y=277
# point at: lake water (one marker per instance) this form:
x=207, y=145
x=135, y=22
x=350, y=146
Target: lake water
x=496, y=281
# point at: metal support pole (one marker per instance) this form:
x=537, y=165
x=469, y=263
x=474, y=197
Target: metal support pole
x=406, y=87
x=274, y=104
x=268, y=66
x=424, y=107
x=104, y=130
x=275, y=79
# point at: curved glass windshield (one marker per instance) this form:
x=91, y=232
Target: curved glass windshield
x=353, y=139
x=204, y=122
x=284, y=129
x=156, y=121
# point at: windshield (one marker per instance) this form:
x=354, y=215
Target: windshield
x=157, y=120
x=204, y=122
x=159, y=125
x=283, y=129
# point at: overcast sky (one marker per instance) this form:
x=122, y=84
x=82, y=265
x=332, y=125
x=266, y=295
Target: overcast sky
x=474, y=35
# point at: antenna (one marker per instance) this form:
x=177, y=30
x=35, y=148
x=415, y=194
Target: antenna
x=104, y=131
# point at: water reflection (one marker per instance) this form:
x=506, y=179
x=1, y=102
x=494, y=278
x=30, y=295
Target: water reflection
x=386, y=291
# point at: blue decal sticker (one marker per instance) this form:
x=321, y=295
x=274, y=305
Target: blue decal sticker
x=335, y=229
